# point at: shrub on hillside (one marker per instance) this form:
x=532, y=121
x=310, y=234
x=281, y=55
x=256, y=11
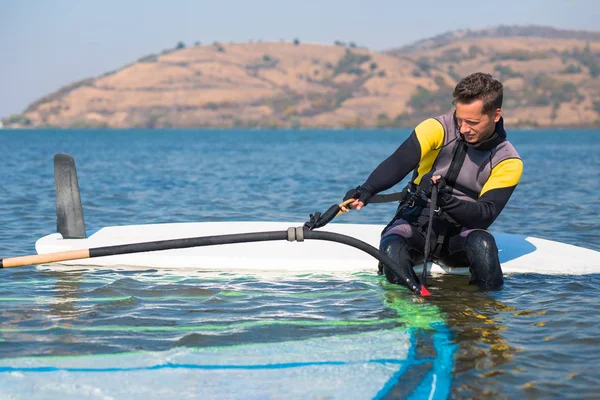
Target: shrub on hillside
x=424, y=64
x=506, y=72
x=453, y=55
x=474, y=51
x=586, y=58
x=571, y=69
x=425, y=101
x=543, y=90
x=219, y=47
x=519, y=55
x=453, y=74
x=350, y=63
x=150, y=58
x=17, y=119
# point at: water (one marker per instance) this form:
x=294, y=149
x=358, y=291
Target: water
x=537, y=338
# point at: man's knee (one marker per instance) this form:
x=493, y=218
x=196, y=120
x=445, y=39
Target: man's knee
x=398, y=249
x=482, y=256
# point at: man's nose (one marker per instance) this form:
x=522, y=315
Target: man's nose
x=465, y=128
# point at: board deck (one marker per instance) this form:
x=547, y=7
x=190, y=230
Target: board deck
x=518, y=254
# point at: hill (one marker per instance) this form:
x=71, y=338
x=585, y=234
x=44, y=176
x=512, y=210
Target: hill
x=551, y=78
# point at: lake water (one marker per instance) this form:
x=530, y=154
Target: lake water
x=537, y=338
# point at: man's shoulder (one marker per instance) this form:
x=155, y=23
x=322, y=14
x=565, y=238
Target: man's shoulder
x=446, y=120
x=438, y=126
x=442, y=120
x=430, y=124
x=505, y=150
x=506, y=145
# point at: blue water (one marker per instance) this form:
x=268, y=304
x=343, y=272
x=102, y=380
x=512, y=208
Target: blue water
x=537, y=338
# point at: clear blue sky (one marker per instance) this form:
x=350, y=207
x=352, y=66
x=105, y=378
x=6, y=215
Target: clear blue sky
x=45, y=44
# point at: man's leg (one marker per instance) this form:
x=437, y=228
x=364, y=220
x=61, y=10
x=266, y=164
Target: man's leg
x=402, y=243
x=476, y=249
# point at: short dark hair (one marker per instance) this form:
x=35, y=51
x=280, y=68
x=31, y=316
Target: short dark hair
x=479, y=86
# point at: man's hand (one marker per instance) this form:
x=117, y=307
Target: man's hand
x=361, y=194
x=438, y=180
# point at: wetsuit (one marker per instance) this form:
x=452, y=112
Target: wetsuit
x=480, y=178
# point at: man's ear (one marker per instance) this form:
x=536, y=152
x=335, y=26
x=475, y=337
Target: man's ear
x=497, y=114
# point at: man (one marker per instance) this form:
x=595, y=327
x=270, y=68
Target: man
x=476, y=170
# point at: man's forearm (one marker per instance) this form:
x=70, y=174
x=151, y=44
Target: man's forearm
x=476, y=214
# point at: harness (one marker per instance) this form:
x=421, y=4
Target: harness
x=415, y=204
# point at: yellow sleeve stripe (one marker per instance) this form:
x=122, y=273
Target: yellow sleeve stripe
x=506, y=174
x=430, y=134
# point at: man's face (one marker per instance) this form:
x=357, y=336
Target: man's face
x=473, y=123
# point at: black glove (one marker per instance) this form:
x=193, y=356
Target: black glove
x=427, y=185
x=318, y=220
x=361, y=193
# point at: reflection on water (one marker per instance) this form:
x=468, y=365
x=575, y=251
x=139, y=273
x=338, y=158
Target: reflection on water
x=518, y=342
x=521, y=341
x=477, y=323
x=157, y=312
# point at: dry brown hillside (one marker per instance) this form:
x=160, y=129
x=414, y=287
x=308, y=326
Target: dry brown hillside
x=550, y=80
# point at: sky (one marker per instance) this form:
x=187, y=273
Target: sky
x=46, y=44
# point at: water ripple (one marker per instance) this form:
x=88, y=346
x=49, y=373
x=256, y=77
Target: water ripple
x=537, y=338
